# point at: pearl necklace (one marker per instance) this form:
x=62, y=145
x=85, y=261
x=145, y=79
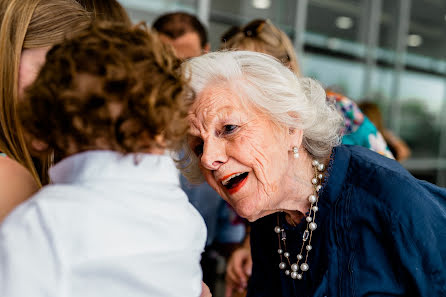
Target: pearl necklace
x=297, y=269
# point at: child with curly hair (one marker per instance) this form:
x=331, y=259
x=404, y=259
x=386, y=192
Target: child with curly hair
x=114, y=221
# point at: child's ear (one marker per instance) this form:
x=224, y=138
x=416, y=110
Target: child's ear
x=36, y=147
x=39, y=146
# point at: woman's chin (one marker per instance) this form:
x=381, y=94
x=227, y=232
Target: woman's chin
x=245, y=207
x=252, y=219
x=247, y=212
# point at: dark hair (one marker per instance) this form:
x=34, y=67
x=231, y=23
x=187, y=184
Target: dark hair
x=176, y=24
x=106, y=10
x=112, y=87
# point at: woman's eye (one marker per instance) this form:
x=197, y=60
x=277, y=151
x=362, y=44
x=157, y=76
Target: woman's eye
x=228, y=129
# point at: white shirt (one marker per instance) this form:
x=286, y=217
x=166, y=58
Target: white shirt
x=106, y=227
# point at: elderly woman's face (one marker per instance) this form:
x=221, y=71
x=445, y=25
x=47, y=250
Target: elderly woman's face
x=243, y=155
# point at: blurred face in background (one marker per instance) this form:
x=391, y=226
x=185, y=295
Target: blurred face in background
x=186, y=46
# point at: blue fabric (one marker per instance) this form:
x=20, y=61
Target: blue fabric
x=381, y=232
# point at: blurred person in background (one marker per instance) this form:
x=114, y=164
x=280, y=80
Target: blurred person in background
x=398, y=147
x=184, y=32
x=114, y=221
x=262, y=36
x=326, y=219
x=188, y=36
x=26, y=34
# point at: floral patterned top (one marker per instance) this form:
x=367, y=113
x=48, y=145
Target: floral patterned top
x=358, y=129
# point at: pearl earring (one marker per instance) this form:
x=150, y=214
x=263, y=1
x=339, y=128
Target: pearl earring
x=296, y=152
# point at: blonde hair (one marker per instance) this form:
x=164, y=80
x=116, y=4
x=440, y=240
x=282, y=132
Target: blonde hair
x=27, y=24
x=267, y=39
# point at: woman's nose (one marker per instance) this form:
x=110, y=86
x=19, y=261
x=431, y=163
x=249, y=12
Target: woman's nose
x=214, y=154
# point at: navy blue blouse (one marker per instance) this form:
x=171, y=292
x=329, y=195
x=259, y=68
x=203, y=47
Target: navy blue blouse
x=381, y=232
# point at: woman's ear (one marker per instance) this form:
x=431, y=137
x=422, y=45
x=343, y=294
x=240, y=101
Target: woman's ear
x=295, y=137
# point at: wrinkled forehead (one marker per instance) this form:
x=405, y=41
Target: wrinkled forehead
x=212, y=103
x=217, y=99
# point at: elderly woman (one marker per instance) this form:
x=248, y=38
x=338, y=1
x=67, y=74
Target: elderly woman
x=261, y=35
x=328, y=220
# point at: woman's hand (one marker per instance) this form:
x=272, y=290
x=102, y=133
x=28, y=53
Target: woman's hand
x=238, y=270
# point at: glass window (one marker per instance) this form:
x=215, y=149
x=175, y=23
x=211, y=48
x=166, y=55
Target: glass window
x=427, y=29
x=334, y=27
x=421, y=100
x=412, y=95
x=148, y=11
x=228, y=13
x=340, y=75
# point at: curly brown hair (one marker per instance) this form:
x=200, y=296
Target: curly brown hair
x=111, y=87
